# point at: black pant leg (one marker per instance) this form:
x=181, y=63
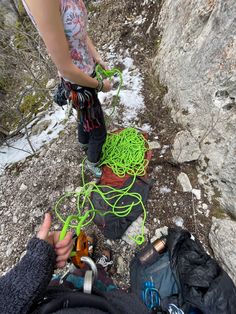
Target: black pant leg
x=83, y=136
x=97, y=138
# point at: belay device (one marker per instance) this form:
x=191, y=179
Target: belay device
x=80, y=252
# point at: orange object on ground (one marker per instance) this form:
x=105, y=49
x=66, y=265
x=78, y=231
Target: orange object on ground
x=111, y=179
x=81, y=249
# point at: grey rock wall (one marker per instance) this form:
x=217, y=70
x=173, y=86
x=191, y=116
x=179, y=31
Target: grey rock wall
x=197, y=62
x=223, y=242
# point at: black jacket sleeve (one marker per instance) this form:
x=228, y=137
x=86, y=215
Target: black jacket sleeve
x=28, y=279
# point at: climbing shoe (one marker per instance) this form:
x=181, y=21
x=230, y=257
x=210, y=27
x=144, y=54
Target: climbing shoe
x=93, y=168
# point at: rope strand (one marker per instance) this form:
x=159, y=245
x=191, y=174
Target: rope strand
x=124, y=153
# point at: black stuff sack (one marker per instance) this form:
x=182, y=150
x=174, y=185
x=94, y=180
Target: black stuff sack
x=113, y=227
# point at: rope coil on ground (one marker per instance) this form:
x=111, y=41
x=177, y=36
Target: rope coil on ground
x=123, y=152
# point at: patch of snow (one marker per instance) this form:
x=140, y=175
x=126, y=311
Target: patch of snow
x=164, y=148
x=204, y=206
x=146, y=128
x=164, y=190
x=140, y=20
x=131, y=97
x=178, y=221
x=197, y=193
x=145, y=2
x=19, y=148
x=160, y=232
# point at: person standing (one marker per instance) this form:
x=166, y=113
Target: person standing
x=62, y=25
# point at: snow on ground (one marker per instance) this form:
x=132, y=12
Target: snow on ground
x=17, y=148
x=131, y=97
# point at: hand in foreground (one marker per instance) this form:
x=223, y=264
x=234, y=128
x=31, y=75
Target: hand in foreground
x=62, y=248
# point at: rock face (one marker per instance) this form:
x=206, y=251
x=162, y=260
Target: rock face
x=223, y=242
x=197, y=62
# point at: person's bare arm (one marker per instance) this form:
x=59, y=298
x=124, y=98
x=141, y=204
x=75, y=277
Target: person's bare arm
x=96, y=56
x=47, y=17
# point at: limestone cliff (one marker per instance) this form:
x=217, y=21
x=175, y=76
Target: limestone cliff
x=197, y=62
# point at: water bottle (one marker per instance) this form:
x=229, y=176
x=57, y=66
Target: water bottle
x=152, y=251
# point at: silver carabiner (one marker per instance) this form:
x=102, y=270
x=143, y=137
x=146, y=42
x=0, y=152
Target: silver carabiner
x=90, y=275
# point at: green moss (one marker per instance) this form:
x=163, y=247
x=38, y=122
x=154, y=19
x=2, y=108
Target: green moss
x=10, y=119
x=19, y=40
x=32, y=103
x=159, y=88
x=217, y=209
x=91, y=7
x=158, y=43
x=5, y=83
x=21, y=8
x=218, y=212
x=22, y=28
x=61, y=134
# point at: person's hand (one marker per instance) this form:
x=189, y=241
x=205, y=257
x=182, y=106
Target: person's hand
x=103, y=64
x=62, y=248
x=107, y=86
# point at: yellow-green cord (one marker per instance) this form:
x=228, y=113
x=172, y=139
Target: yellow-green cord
x=115, y=153
x=102, y=74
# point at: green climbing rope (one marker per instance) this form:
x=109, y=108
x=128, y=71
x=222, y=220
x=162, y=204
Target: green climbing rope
x=124, y=152
x=102, y=74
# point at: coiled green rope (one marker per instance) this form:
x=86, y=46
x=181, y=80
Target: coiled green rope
x=127, y=147
x=124, y=153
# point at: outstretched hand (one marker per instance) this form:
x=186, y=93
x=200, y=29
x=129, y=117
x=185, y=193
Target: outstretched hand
x=62, y=248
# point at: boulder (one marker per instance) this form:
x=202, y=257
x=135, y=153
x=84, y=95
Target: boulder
x=185, y=147
x=184, y=181
x=223, y=242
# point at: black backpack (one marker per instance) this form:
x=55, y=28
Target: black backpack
x=66, y=300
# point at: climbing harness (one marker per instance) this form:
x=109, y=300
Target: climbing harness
x=85, y=99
